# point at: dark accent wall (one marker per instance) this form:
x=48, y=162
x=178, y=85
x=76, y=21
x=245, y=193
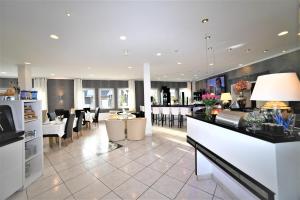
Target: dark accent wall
x=285, y=63
x=139, y=89
x=63, y=88
x=96, y=84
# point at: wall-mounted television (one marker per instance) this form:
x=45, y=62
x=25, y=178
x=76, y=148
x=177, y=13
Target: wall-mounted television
x=216, y=85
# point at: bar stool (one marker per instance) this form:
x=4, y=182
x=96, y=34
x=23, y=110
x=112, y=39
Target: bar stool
x=184, y=111
x=155, y=114
x=175, y=111
x=165, y=111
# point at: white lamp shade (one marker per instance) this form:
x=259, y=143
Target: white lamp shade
x=277, y=87
x=226, y=97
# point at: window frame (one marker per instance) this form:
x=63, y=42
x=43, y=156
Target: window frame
x=92, y=108
x=113, y=98
x=121, y=107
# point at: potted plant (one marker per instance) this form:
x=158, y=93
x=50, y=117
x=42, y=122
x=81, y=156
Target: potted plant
x=209, y=100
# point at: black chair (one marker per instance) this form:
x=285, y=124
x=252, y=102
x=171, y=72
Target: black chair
x=97, y=111
x=69, y=127
x=66, y=113
x=51, y=116
x=78, y=127
x=87, y=109
x=59, y=112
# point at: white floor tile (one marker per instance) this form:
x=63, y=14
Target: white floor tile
x=192, y=193
x=148, y=176
x=93, y=191
x=207, y=185
x=168, y=186
x=131, y=189
x=151, y=194
x=114, y=179
x=132, y=168
x=80, y=182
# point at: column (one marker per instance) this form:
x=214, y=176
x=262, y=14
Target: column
x=78, y=94
x=24, y=77
x=189, y=94
x=131, y=95
x=147, y=98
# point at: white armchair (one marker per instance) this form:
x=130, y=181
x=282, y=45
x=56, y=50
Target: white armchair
x=136, y=129
x=115, y=129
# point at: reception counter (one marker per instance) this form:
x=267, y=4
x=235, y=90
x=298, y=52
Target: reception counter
x=251, y=166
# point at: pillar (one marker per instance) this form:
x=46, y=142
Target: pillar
x=24, y=77
x=131, y=95
x=147, y=98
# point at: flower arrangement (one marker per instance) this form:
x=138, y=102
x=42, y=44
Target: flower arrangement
x=242, y=85
x=209, y=99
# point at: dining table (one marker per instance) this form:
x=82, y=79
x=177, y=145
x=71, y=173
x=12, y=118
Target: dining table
x=56, y=127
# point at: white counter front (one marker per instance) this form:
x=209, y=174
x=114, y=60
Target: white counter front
x=274, y=165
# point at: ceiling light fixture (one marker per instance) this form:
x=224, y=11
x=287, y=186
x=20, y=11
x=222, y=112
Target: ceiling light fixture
x=205, y=20
x=182, y=74
x=283, y=51
x=27, y=63
x=211, y=64
x=52, y=74
x=158, y=54
x=3, y=72
x=130, y=67
x=89, y=68
x=298, y=34
x=236, y=46
x=68, y=14
x=266, y=50
x=179, y=63
x=241, y=65
x=125, y=52
x=282, y=33
x=54, y=37
x=123, y=37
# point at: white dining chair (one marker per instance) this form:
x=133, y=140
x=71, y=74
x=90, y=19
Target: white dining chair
x=175, y=112
x=183, y=112
x=165, y=113
x=155, y=114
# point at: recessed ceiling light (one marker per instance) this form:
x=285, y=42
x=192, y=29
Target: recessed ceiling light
x=205, y=20
x=158, y=54
x=27, y=63
x=52, y=74
x=123, y=37
x=68, y=14
x=266, y=50
x=282, y=33
x=130, y=67
x=181, y=74
x=91, y=74
x=283, y=51
x=195, y=75
x=236, y=46
x=298, y=34
x=240, y=65
x=3, y=72
x=54, y=37
x=211, y=64
x=179, y=63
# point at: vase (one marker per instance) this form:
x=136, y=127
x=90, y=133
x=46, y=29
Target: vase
x=241, y=100
x=208, y=110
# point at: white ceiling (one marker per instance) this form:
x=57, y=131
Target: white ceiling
x=89, y=46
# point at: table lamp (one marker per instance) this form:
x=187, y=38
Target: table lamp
x=277, y=89
x=226, y=98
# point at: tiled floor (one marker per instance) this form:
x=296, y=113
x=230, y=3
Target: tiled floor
x=159, y=167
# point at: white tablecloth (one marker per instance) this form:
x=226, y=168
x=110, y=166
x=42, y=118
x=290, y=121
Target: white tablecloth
x=56, y=127
x=89, y=117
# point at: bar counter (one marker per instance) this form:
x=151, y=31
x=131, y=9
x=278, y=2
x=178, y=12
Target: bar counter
x=251, y=166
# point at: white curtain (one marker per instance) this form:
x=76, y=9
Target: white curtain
x=131, y=95
x=40, y=85
x=78, y=94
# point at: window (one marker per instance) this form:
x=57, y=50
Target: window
x=154, y=94
x=122, y=97
x=173, y=95
x=89, y=98
x=106, y=98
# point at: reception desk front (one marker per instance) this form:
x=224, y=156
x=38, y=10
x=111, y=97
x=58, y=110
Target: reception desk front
x=250, y=166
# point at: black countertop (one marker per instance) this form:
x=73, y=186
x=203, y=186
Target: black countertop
x=262, y=136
